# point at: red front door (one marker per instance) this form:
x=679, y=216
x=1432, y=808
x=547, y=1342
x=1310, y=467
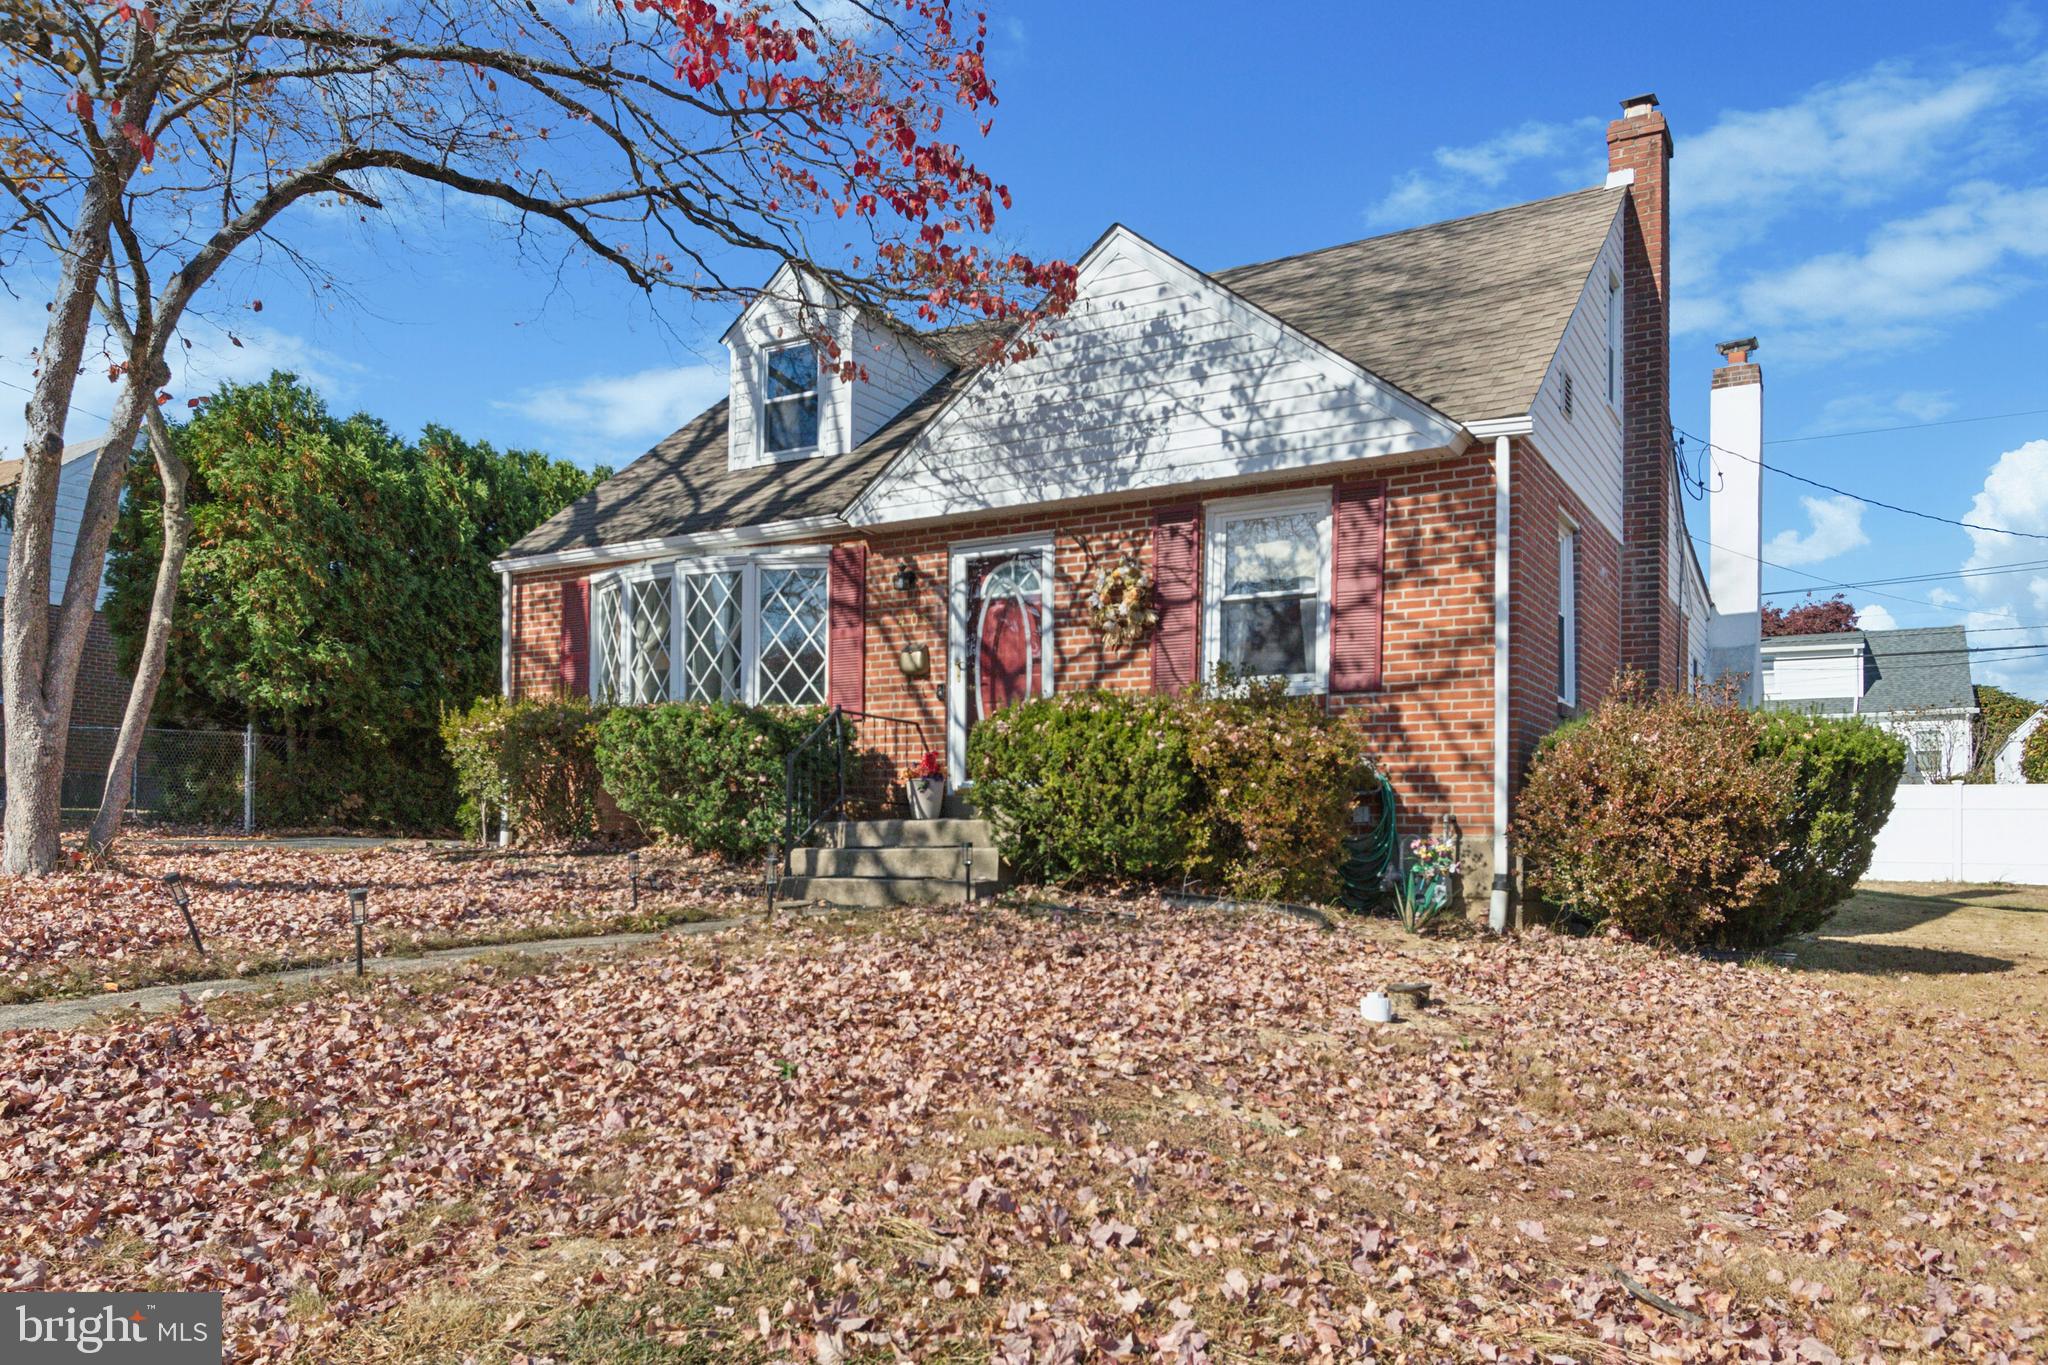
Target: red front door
x=1005, y=617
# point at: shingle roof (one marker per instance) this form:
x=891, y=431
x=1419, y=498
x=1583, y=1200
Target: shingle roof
x=1918, y=670
x=1925, y=668
x=10, y=470
x=1464, y=315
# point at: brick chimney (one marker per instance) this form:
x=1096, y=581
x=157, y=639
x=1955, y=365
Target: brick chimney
x=1735, y=507
x=1639, y=156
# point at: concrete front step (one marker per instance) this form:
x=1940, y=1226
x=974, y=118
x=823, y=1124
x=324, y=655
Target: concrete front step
x=877, y=891
x=937, y=862
x=905, y=834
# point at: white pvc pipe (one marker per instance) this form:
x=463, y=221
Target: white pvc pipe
x=1497, y=903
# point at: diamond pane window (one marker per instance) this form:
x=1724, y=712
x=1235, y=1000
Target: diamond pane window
x=789, y=406
x=647, y=643
x=790, y=667
x=611, y=647
x=711, y=637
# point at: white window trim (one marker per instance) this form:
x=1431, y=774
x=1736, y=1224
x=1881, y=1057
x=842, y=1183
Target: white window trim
x=1214, y=516
x=1568, y=610
x=1615, y=358
x=959, y=555
x=762, y=402
x=749, y=567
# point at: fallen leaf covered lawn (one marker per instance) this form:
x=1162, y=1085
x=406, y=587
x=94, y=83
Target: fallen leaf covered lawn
x=996, y=1136
x=264, y=908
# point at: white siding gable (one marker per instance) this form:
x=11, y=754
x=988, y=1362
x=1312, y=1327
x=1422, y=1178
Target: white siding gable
x=72, y=484
x=1810, y=673
x=1157, y=376
x=1585, y=448
x=849, y=411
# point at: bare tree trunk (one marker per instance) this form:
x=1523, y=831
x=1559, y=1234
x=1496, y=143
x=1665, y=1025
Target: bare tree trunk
x=156, y=640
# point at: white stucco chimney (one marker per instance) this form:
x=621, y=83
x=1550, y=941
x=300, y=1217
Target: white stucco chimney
x=1735, y=515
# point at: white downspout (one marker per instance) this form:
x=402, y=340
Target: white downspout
x=505, y=634
x=1497, y=905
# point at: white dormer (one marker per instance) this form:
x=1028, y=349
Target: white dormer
x=788, y=400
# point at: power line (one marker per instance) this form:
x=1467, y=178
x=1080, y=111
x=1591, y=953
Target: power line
x=96, y=416
x=1824, y=583
x=2026, y=566
x=1907, y=426
x=1858, y=497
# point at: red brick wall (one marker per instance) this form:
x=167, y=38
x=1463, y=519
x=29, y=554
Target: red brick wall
x=1430, y=722
x=537, y=663
x=1651, y=636
x=1542, y=505
x=102, y=695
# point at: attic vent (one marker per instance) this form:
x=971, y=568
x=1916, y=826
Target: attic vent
x=1567, y=393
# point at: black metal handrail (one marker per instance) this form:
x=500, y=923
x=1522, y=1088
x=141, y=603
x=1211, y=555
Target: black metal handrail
x=809, y=799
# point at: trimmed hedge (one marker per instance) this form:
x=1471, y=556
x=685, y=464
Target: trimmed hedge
x=534, y=761
x=706, y=775
x=2034, y=755
x=1683, y=818
x=1249, y=792
x=1279, y=779
x=1845, y=774
x=1087, y=786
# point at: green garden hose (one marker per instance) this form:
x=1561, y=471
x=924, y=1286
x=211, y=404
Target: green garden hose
x=1368, y=856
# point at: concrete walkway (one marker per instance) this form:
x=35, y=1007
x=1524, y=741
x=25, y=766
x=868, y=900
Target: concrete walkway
x=305, y=843
x=157, y=999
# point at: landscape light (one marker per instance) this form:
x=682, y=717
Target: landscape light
x=182, y=898
x=633, y=871
x=359, y=915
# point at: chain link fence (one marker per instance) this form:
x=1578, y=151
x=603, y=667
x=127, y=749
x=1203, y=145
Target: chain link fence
x=213, y=780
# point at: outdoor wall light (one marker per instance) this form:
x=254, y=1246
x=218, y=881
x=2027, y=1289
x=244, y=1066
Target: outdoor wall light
x=182, y=898
x=906, y=577
x=915, y=661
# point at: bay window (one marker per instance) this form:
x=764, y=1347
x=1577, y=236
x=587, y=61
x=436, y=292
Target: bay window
x=1266, y=585
x=744, y=629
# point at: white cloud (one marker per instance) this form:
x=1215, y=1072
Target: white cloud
x=1910, y=275
x=1856, y=411
x=1876, y=616
x=1942, y=597
x=2015, y=496
x=2019, y=26
x=1891, y=131
x=640, y=407
x=1464, y=177
x=1834, y=527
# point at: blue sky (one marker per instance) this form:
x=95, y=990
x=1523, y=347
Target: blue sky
x=1863, y=188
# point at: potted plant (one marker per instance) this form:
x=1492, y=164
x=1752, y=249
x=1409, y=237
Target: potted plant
x=926, y=780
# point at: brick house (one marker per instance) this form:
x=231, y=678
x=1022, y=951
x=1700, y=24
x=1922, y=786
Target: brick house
x=1427, y=477
x=102, y=688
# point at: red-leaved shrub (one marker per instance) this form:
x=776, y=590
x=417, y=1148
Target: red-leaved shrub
x=1655, y=814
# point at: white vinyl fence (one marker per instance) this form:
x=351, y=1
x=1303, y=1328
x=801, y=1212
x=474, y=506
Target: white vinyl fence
x=1953, y=832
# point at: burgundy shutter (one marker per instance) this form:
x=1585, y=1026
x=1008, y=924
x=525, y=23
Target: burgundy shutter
x=576, y=637
x=1177, y=583
x=848, y=589
x=1360, y=516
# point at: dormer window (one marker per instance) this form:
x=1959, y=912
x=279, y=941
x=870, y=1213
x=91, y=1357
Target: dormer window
x=789, y=405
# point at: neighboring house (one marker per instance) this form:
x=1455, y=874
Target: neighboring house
x=2006, y=766
x=1914, y=683
x=102, y=690
x=1427, y=477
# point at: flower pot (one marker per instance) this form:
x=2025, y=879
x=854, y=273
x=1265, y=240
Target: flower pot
x=927, y=797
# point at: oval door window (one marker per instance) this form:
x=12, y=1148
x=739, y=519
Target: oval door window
x=1006, y=606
